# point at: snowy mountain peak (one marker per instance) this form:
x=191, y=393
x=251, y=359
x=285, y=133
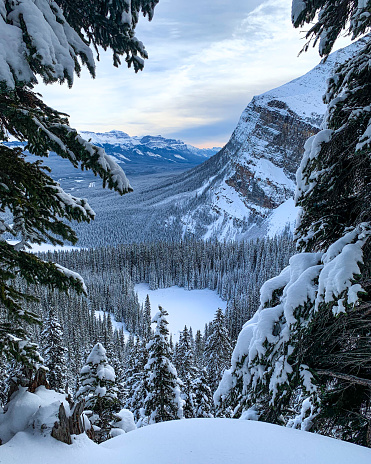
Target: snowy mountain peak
x=246, y=189
x=148, y=152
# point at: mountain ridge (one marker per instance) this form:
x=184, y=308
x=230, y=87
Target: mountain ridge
x=149, y=150
x=240, y=187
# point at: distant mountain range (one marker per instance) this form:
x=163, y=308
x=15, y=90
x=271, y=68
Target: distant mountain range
x=149, y=152
x=138, y=155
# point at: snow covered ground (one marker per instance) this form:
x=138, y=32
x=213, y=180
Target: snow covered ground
x=115, y=324
x=192, y=308
x=284, y=215
x=189, y=441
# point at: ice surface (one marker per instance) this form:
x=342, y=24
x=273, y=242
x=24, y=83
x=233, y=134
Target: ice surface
x=45, y=247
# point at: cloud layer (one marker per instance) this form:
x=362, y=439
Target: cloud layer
x=207, y=60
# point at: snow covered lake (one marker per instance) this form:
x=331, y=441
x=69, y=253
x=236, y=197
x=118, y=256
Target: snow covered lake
x=192, y=308
x=45, y=247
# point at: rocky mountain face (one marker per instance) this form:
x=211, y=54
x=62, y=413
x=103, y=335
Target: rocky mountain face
x=246, y=189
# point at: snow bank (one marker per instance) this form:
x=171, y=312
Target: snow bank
x=36, y=412
x=191, y=441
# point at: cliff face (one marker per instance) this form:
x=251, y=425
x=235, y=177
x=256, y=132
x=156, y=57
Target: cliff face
x=243, y=191
x=263, y=169
x=246, y=189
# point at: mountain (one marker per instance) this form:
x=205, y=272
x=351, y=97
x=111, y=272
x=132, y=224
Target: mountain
x=246, y=189
x=149, y=153
x=137, y=155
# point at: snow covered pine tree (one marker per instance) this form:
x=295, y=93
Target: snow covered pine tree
x=50, y=39
x=163, y=402
x=308, y=347
x=184, y=362
x=54, y=352
x=99, y=390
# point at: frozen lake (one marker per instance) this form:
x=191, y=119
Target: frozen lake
x=192, y=308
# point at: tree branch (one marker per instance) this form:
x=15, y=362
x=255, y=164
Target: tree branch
x=350, y=378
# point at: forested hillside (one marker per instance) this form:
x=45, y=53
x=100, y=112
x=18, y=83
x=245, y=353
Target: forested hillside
x=234, y=270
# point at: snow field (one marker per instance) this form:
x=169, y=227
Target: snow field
x=190, y=441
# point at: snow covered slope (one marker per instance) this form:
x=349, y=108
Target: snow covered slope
x=148, y=150
x=246, y=189
x=189, y=441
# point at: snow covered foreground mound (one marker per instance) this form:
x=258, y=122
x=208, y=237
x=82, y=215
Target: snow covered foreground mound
x=190, y=441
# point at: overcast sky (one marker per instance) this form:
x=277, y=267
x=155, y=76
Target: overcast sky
x=207, y=59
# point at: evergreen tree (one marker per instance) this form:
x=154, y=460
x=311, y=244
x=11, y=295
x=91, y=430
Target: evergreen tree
x=50, y=40
x=307, y=349
x=147, y=319
x=4, y=368
x=218, y=350
x=136, y=384
x=202, y=400
x=54, y=352
x=163, y=402
x=99, y=390
x=199, y=349
x=185, y=365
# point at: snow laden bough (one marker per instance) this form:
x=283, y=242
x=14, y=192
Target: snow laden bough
x=274, y=369
x=51, y=40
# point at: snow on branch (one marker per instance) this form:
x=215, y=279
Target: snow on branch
x=72, y=275
x=35, y=38
x=265, y=349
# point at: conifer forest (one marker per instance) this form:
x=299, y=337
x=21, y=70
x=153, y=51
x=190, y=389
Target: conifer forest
x=274, y=225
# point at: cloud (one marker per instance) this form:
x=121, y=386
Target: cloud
x=207, y=60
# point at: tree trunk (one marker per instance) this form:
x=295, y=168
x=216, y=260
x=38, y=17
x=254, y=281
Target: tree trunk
x=72, y=425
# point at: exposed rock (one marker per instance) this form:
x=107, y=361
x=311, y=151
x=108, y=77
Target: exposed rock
x=235, y=193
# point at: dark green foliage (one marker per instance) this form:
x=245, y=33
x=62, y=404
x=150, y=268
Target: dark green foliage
x=218, y=350
x=337, y=202
x=103, y=26
x=304, y=360
x=33, y=207
x=331, y=18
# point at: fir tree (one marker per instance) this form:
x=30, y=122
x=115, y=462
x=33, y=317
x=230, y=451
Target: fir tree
x=147, y=319
x=304, y=359
x=136, y=383
x=218, y=350
x=163, y=402
x=202, y=399
x=199, y=349
x=54, y=352
x=51, y=41
x=185, y=365
x=99, y=390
